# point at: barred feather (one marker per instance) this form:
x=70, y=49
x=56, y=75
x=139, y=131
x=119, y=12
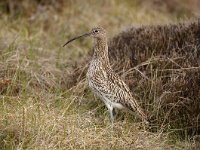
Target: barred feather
x=105, y=83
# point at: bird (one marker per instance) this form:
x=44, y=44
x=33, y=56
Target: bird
x=104, y=82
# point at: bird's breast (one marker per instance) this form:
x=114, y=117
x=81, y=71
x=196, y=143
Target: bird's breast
x=96, y=74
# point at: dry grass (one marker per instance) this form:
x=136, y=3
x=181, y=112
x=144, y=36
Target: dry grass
x=37, y=110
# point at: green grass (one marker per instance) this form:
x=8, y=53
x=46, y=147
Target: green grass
x=37, y=110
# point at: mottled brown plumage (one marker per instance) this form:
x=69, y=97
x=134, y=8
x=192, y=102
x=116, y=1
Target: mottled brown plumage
x=104, y=82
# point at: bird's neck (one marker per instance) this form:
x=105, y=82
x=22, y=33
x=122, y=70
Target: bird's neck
x=101, y=51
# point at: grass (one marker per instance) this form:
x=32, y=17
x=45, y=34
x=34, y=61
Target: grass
x=38, y=111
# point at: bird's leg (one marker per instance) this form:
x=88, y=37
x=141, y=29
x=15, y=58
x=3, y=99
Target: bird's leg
x=114, y=113
x=111, y=115
x=111, y=119
x=110, y=109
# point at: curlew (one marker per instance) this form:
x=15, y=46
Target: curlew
x=104, y=82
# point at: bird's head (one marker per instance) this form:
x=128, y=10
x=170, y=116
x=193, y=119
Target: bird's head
x=96, y=33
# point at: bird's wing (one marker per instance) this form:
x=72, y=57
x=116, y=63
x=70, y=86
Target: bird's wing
x=122, y=92
x=115, y=88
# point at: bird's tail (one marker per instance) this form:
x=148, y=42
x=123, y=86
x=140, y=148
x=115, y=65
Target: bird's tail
x=139, y=112
x=142, y=115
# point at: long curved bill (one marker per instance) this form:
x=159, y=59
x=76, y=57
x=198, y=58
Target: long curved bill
x=84, y=35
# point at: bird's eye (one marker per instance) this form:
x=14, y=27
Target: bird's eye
x=96, y=31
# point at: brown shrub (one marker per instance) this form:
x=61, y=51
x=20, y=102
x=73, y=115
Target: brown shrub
x=166, y=69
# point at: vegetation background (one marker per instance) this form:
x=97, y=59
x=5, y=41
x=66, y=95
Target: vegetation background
x=43, y=107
